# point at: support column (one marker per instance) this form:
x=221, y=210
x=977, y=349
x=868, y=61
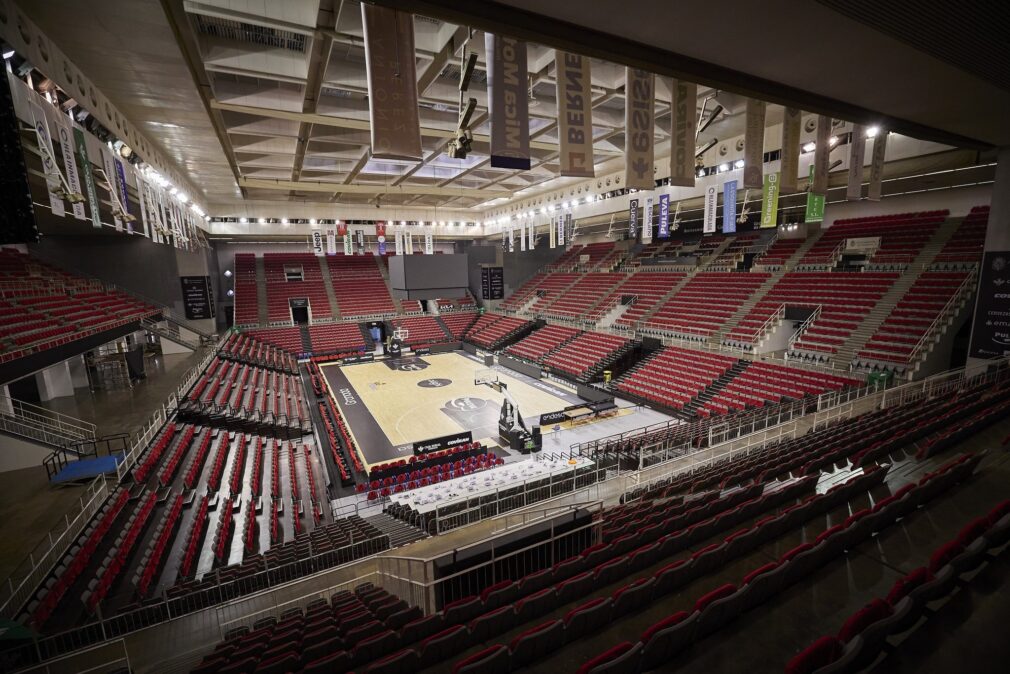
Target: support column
x=990, y=333
x=78, y=371
x=55, y=382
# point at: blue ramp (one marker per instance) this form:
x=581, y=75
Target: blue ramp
x=86, y=469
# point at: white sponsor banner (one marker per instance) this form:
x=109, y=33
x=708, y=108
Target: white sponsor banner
x=639, y=120
x=857, y=151
x=552, y=232
x=316, y=241
x=142, y=198
x=348, y=244
x=647, y=221
x=109, y=167
x=511, y=240
x=863, y=243
x=48, y=158
x=331, y=241
x=533, y=235
x=683, y=130
x=398, y=238
x=792, y=122
x=575, y=114
x=753, y=145
x=410, y=243
x=561, y=230
x=508, y=101
x=711, y=203
x=822, y=155
x=429, y=243
x=877, y=165
x=522, y=236
x=65, y=133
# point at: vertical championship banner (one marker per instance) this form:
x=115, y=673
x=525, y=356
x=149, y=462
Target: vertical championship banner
x=639, y=120
x=792, y=121
x=770, y=201
x=380, y=237
x=124, y=196
x=429, y=242
x=575, y=114
x=664, y=216
x=89, y=178
x=857, y=152
x=398, y=240
x=683, y=131
x=633, y=219
x=317, y=243
x=508, y=102
x=822, y=155
x=815, y=202
x=561, y=230
x=331, y=241
x=65, y=133
x=552, y=232
x=647, y=221
x=48, y=159
x=753, y=144
x=359, y=234
x=877, y=165
x=711, y=203
x=512, y=240
x=729, y=207
x=392, y=83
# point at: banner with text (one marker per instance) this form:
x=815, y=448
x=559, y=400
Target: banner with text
x=857, y=151
x=429, y=243
x=380, y=237
x=822, y=155
x=770, y=201
x=753, y=144
x=990, y=332
x=331, y=241
x=729, y=207
x=647, y=221
x=533, y=235
x=633, y=219
x=711, y=203
x=65, y=134
x=877, y=165
x=124, y=196
x=45, y=144
x=89, y=178
x=683, y=130
x=792, y=122
x=575, y=114
x=508, y=102
x=664, y=216
x=561, y=230
x=639, y=120
x=109, y=168
x=316, y=242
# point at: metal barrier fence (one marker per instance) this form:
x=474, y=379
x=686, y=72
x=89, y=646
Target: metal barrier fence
x=39, y=423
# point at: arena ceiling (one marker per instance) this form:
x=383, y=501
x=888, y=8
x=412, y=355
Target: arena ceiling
x=267, y=101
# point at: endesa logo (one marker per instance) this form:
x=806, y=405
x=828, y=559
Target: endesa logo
x=348, y=396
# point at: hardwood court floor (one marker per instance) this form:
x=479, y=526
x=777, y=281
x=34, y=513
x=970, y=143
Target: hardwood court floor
x=417, y=398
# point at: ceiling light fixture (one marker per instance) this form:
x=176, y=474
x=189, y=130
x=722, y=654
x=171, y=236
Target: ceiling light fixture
x=738, y=163
x=263, y=221
x=243, y=220
x=810, y=147
x=872, y=131
x=312, y=221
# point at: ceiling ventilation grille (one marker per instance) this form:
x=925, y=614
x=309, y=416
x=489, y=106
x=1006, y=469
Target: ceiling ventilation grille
x=247, y=32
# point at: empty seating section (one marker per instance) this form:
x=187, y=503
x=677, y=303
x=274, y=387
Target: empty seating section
x=336, y=338
x=457, y=323
x=581, y=297
x=43, y=307
x=703, y=305
x=644, y=290
x=674, y=376
x=246, y=291
x=359, y=287
x=536, y=345
x=289, y=339
x=902, y=237
x=523, y=294
x=411, y=307
x=246, y=348
x=553, y=287
x=897, y=338
x=734, y=251
x=779, y=252
x=278, y=268
x=248, y=393
x=587, y=355
x=965, y=246
x=760, y=383
x=421, y=330
x=491, y=329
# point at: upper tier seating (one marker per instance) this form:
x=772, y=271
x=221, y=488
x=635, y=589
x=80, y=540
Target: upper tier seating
x=279, y=290
x=536, y=345
x=487, y=333
x=553, y=287
x=704, y=304
x=523, y=293
x=968, y=241
x=246, y=293
x=733, y=253
x=577, y=300
x=645, y=288
x=359, y=287
x=779, y=252
x=458, y=322
x=902, y=236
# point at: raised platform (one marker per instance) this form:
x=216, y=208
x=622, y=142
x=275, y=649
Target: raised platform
x=86, y=469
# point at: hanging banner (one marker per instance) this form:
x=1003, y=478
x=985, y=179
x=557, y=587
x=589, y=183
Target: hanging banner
x=552, y=232
x=380, y=237
x=857, y=151
x=124, y=197
x=532, y=234
x=142, y=198
x=48, y=158
x=429, y=243
x=331, y=241
x=348, y=245
x=822, y=155
x=639, y=120
x=990, y=337
x=359, y=234
x=711, y=204
x=877, y=165
x=409, y=243
x=569, y=228
x=575, y=114
x=316, y=241
x=341, y=229
x=64, y=132
x=675, y=222
x=792, y=123
x=633, y=219
x=729, y=207
x=511, y=240
x=508, y=102
x=392, y=83
x=770, y=201
x=398, y=239
x=109, y=167
x=683, y=131
x=647, y=221
x=89, y=179
x=664, y=216
x=753, y=144
x=561, y=230
x=522, y=236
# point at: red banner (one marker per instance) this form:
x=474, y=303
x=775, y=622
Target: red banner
x=341, y=229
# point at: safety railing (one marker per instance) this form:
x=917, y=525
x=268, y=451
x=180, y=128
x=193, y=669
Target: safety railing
x=939, y=323
x=39, y=423
x=814, y=315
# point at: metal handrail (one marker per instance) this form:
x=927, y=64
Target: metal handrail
x=765, y=328
x=943, y=315
x=803, y=327
x=58, y=426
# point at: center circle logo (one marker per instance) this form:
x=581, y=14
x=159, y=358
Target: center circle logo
x=434, y=383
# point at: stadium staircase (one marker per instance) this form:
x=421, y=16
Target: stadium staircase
x=715, y=339
x=369, y=342
x=171, y=332
x=668, y=296
x=261, y=290
x=710, y=391
x=324, y=267
x=303, y=330
x=42, y=425
x=399, y=532
x=441, y=324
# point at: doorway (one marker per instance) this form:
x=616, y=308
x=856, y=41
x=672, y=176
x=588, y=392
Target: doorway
x=299, y=311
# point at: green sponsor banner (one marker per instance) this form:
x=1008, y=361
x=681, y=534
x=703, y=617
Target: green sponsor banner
x=770, y=201
x=815, y=203
x=89, y=180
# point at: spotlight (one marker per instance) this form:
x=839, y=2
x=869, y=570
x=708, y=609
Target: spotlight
x=230, y=293
x=738, y=163
x=833, y=141
x=701, y=173
x=8, y=54
x=810, y=147
x=403, y=223
x=227, y=273
x=872, y=131
x=263, y=221
x=284, y=221
x=723, y=168
x=243, y=220
x=312, y=221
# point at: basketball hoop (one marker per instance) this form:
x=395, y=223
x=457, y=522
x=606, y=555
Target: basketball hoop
x=485, y=377
x=401, y=333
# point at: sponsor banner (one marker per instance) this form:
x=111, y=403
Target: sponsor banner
x=552, y=231
x=815, y=202
x=89, y=178
x=548, y=418
x=492, y=283
x=857, y=151
x=683, y=130
x=331, y=241
x=647, y=221
x=632, y=219
x=729, y=207
x=392, y=83
x=753, y=144
x=575, y=114
x=423, y=351
x=398, y=239
x=711, y=203
x=561, y=230
x=511, y=240
x=508, y=102
x=522, y=236
x=770, y=201
x=409, y=243
x=792, y=122
x=877, y=165
x=664, y=216
x=569, y=227
x=348, y=245
x=639, y=120
x=109, y=168
x=197, y=301
x=533, y=235
x=360, y=358
x=359, y=234
x=65, y=135
x=990, y=334
x=863, y=243
x=45, y=143
x=444, y=442
x=429, y=243
x=124, y=196
x=380, y=237
x=316, y=242
x=822, y=155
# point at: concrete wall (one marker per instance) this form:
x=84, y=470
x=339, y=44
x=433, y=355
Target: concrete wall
x=958, y=201
x=16, y=453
